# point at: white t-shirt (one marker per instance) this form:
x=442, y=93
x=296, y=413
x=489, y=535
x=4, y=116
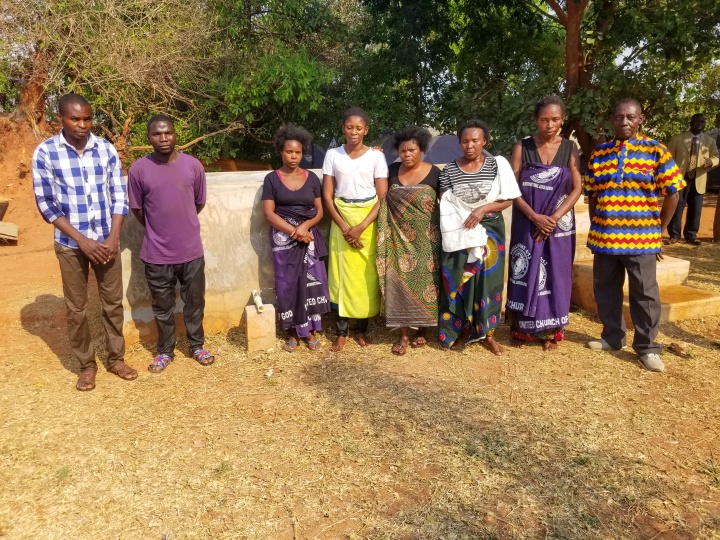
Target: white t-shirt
x=355, y=178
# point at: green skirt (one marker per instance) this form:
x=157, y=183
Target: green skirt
x=472, y=292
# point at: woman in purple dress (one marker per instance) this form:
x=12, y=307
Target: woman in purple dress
x=292, y=204
x=542, y=244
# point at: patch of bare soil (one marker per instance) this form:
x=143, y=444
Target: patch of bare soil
x=570, y=444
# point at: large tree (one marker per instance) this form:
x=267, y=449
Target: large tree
x=648, y=49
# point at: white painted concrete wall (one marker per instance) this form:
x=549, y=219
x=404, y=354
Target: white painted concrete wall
x=237, y=255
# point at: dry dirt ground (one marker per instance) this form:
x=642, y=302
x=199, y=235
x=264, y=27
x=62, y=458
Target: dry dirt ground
x=570, y=444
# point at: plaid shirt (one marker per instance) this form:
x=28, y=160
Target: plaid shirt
x=86, y=189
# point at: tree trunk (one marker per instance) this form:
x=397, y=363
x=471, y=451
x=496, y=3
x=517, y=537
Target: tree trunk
x=32, y=93
x=573, y=48
x=576, y=75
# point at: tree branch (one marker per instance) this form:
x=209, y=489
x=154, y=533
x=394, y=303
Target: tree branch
x=557, y=8
x=110, y=115
x=234, y=126
x=534, y=7
x=106, y=131
x=637, y=52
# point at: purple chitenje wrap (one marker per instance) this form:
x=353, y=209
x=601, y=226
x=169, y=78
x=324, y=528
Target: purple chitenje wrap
x=300, y=274
x=540, y=273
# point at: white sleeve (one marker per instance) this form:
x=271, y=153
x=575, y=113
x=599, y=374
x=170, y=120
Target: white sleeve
x=381, y=166
x=329, y=162
x=509, y=188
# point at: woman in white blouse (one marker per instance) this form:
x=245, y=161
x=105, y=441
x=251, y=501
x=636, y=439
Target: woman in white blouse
x=354, y=181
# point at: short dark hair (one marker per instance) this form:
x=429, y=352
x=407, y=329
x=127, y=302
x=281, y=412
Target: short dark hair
x=291, y=132
x=629, y=101
x=356, y=111
x=546, y=101
x=420, y=135
x=71, y=99
x=474, y=123
x=160, y=118
x=696, y=115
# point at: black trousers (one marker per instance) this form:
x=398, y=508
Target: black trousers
x=161, y=279
x=609, y=278
x=342, y=325
x=693, y=200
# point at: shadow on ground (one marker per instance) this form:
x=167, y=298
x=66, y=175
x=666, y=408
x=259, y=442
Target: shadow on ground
x=523, y=475
x=45, y=318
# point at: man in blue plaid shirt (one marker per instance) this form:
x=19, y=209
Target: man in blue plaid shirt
x=80, y=189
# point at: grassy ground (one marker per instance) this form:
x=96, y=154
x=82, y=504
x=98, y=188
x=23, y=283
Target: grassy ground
x=454, y=445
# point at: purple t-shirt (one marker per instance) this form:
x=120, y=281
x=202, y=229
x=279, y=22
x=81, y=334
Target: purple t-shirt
x=167, y=194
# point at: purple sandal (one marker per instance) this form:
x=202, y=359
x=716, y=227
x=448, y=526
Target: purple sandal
x=203, y=357
x=160, y=363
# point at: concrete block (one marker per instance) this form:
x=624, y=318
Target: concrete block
x=677, y=303
x=670, y=271
x=260, y=328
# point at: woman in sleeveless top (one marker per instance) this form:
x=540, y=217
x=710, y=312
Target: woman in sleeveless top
x=542, y=244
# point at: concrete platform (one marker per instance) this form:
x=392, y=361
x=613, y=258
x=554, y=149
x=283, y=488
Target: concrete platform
x=678, y=302
x=671, y=271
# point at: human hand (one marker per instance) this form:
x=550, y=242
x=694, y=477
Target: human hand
x=540, y=236
x=659, y=256
x=300, y=231
x=112, y=244
x=475, y=217
x=306, y=238
x=707, y=163
x=94, y=250
x=352, y=236
x=544, y=223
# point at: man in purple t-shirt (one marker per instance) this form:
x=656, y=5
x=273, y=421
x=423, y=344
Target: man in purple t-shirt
x=167, y=192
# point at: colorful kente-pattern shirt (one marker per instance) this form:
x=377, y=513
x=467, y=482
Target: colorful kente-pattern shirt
x=626, y=177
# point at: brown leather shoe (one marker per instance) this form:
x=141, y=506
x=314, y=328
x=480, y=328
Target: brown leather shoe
x=122, y=370
x=694, y=242
x=86, y=380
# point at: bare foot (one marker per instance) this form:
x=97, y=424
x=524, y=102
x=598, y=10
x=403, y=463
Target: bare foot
x=339, y=344
x=550, y=345
x=517, y=343
x=362, y=339
x=493, y=346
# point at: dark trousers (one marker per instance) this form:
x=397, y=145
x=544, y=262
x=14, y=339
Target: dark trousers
x=342, y=325
x=161, y=279
x=609, y=278
x=693, y=200
x=75, y=269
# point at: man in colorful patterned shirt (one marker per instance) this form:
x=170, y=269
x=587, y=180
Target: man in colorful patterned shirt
x=624, y=178
x=80, y=189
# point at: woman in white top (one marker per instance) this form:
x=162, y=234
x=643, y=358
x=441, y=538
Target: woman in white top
x=354, y=181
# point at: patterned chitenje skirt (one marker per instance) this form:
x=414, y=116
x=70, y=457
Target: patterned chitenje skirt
x=471, y=295
x=408, y=256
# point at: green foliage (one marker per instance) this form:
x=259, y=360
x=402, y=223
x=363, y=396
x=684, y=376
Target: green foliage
x=282, y=78
x=255, y=64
